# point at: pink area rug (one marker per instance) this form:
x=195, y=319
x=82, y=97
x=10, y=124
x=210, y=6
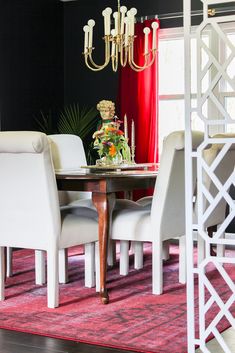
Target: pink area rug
x=133, y=320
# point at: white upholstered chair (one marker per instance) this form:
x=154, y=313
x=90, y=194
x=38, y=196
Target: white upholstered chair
x=34, y=220
x=166, y=217
x=68, y=154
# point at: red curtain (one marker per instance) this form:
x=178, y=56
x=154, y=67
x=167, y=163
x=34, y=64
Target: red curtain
x=138, y=99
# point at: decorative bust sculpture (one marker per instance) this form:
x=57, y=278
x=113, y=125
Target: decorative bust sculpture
x=107, y=110
x=110, y=142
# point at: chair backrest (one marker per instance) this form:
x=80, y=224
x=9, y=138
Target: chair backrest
x=168, y=206
x=68, y=154
x=29, y=207
x=67, y=151
x=223, y=171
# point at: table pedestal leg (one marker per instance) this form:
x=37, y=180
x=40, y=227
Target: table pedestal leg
x=104, y=204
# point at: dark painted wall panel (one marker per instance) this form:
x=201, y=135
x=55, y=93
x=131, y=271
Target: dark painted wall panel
x=31, y=60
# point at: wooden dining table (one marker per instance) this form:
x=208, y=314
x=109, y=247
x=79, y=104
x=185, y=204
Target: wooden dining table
x=104, y=183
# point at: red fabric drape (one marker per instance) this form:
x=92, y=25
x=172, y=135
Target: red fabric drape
x=138, y=99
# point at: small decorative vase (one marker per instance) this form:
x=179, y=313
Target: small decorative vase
x=108, y=160
x=116, y=160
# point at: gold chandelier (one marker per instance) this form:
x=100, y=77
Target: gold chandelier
x=120, y=40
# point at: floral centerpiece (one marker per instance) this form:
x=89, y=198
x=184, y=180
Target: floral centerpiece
x=111, y=144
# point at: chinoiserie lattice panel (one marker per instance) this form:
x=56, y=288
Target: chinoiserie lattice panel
x=215, y=107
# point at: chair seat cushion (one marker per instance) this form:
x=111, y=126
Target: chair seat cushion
x=132, y=224
x=78, y=222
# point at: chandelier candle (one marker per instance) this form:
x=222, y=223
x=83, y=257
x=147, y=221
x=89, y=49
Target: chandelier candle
x=122, y=38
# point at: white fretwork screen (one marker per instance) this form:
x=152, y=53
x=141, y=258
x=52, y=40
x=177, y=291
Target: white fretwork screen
x=211, y=307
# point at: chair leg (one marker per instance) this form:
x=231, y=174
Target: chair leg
x=210, y=231
x=2, y=273
x=138, y=255
x=9, y=262
x=90, y=265
x=157, y=267
x=40, y=264
x=52, y=278
x=182, y=259
x=111, y=258
x=220, y=249
x=124, y=257
x=97, y=267
x=166, y=250
x=200, y=249
x=63, y=266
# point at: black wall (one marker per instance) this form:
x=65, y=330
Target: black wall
x=31, y=60
x=41, y=62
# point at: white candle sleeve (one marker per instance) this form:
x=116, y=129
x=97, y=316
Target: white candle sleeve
x=86, y=31
x=132, y=25
x=123, y=10
x=126, y=21
x=154, y=27
x=108, y=12
x=133, y=12
x=115, y=16
x=146, y=43
x=105, y=22
x=91, y=24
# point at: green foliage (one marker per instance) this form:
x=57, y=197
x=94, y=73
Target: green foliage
x=111, y=143
x=77, y=121
x=44, y=123
x=72, y=120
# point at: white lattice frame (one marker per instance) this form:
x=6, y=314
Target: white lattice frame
x=203, y=193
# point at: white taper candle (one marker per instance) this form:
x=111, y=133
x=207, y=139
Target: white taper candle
x=125, y=127
x=132, y=133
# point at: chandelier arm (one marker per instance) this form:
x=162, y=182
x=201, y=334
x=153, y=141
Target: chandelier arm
x=131, y=59
x=123, y=61
x=131, y=62
x=137, y=69
x=99, y=68
x=154, y=52
x=107, y=56
x=114, y=65
x=146, y=64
